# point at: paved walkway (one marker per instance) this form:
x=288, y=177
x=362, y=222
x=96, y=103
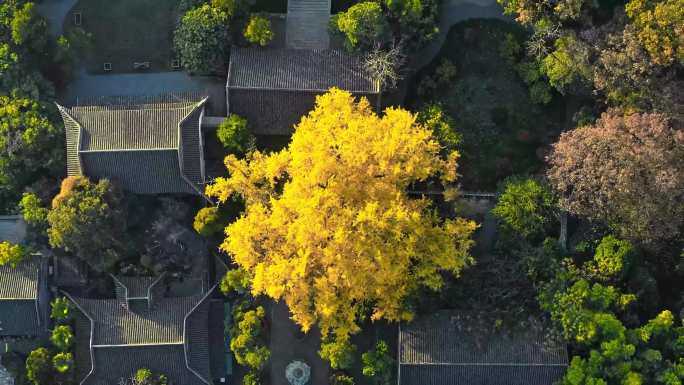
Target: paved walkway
x=55, y=11
x=5, y=378
x=307, y=24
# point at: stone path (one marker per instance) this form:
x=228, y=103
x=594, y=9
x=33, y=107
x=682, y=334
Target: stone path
x=307, y=24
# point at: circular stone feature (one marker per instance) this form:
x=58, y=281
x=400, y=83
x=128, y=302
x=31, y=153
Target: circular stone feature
x=298, y=373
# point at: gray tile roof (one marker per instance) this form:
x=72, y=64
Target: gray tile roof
x=150, y=145
x=137, y=287
x=114, y=325
x=19, y=299
x=300, y=70
x=172, y=338
x=114, y=363
x=20, y=282
x=445, y=349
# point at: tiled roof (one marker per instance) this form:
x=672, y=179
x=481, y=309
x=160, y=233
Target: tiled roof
x=444, y=349
x=301, y=70
x=150, y=145
x=115, y=325
x=18, y=318
x=18, y=298
x=20, y=282
x=171, y=339
x=136, y=286
x=115, y=363
x=480, y=375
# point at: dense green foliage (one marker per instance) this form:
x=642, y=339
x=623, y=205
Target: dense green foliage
x=259, y=31
x=11, y=254
x=202, y=39
x=62, y=337
x=144, y=376
x=235, y=135
x=88, y=220
x=61, y=310
x=378, y=364
x=246, y=337
x=338, y=352
x=63, y=362
x=39, y=367
x=32, y=210
x=363, y=25
x=208, y=222
x=526, y=206
x=235, y=280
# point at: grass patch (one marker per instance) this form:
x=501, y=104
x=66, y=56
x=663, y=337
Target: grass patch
x=128, y=31
x=504, y=132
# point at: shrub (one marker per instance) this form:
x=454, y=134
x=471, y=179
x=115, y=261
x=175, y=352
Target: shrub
x=234, y=134
x=340, y=379
x=378, y=364
x=63, y=362
x=525, y=206
x=208, y=222
x=144, y=376
x=338, y=352
x=39, y=366
x=62, y=337
x=613, y=257
x=433, y=117
x=251, y=378
x=245, y=335
x=11, y=254
x=32, y=210
x=61, y=310
x=235, y=280
x=258, y=31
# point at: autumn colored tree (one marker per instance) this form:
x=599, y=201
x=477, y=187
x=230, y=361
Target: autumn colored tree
x=626, y=170
x=87, y=219
x=660, y=27
x=329, y=226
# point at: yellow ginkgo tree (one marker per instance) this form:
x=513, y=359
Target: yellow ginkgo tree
x=329, y=226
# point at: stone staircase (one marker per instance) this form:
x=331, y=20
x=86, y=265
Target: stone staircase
x=307, y=24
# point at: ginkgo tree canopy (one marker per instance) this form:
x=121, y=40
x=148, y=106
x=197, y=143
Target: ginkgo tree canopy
x=329, y=226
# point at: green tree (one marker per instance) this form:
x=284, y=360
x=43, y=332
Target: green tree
x=62, y=337
x=11, y=254
x=246, y=337
x=363, y=25
x=63, y=362
x=235, y=280
x=613, y=258
x=202, y=39
x=526, y=206
x=417, y=20
x=234, y=134
x=31, y=145
x=88, y=220
x=32, y=210
x=339, y=352
x=62, y=310
x=208, y=222
x=568, y=63
x=39, y=369
x=259, y=31
x=251, y=378
x=378, y=364
x=433, y=117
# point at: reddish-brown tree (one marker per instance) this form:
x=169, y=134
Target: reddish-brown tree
x=626, y=170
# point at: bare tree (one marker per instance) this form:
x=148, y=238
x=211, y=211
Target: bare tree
x=384, y=65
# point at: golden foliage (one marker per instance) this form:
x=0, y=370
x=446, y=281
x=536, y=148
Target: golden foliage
x=329, y=226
